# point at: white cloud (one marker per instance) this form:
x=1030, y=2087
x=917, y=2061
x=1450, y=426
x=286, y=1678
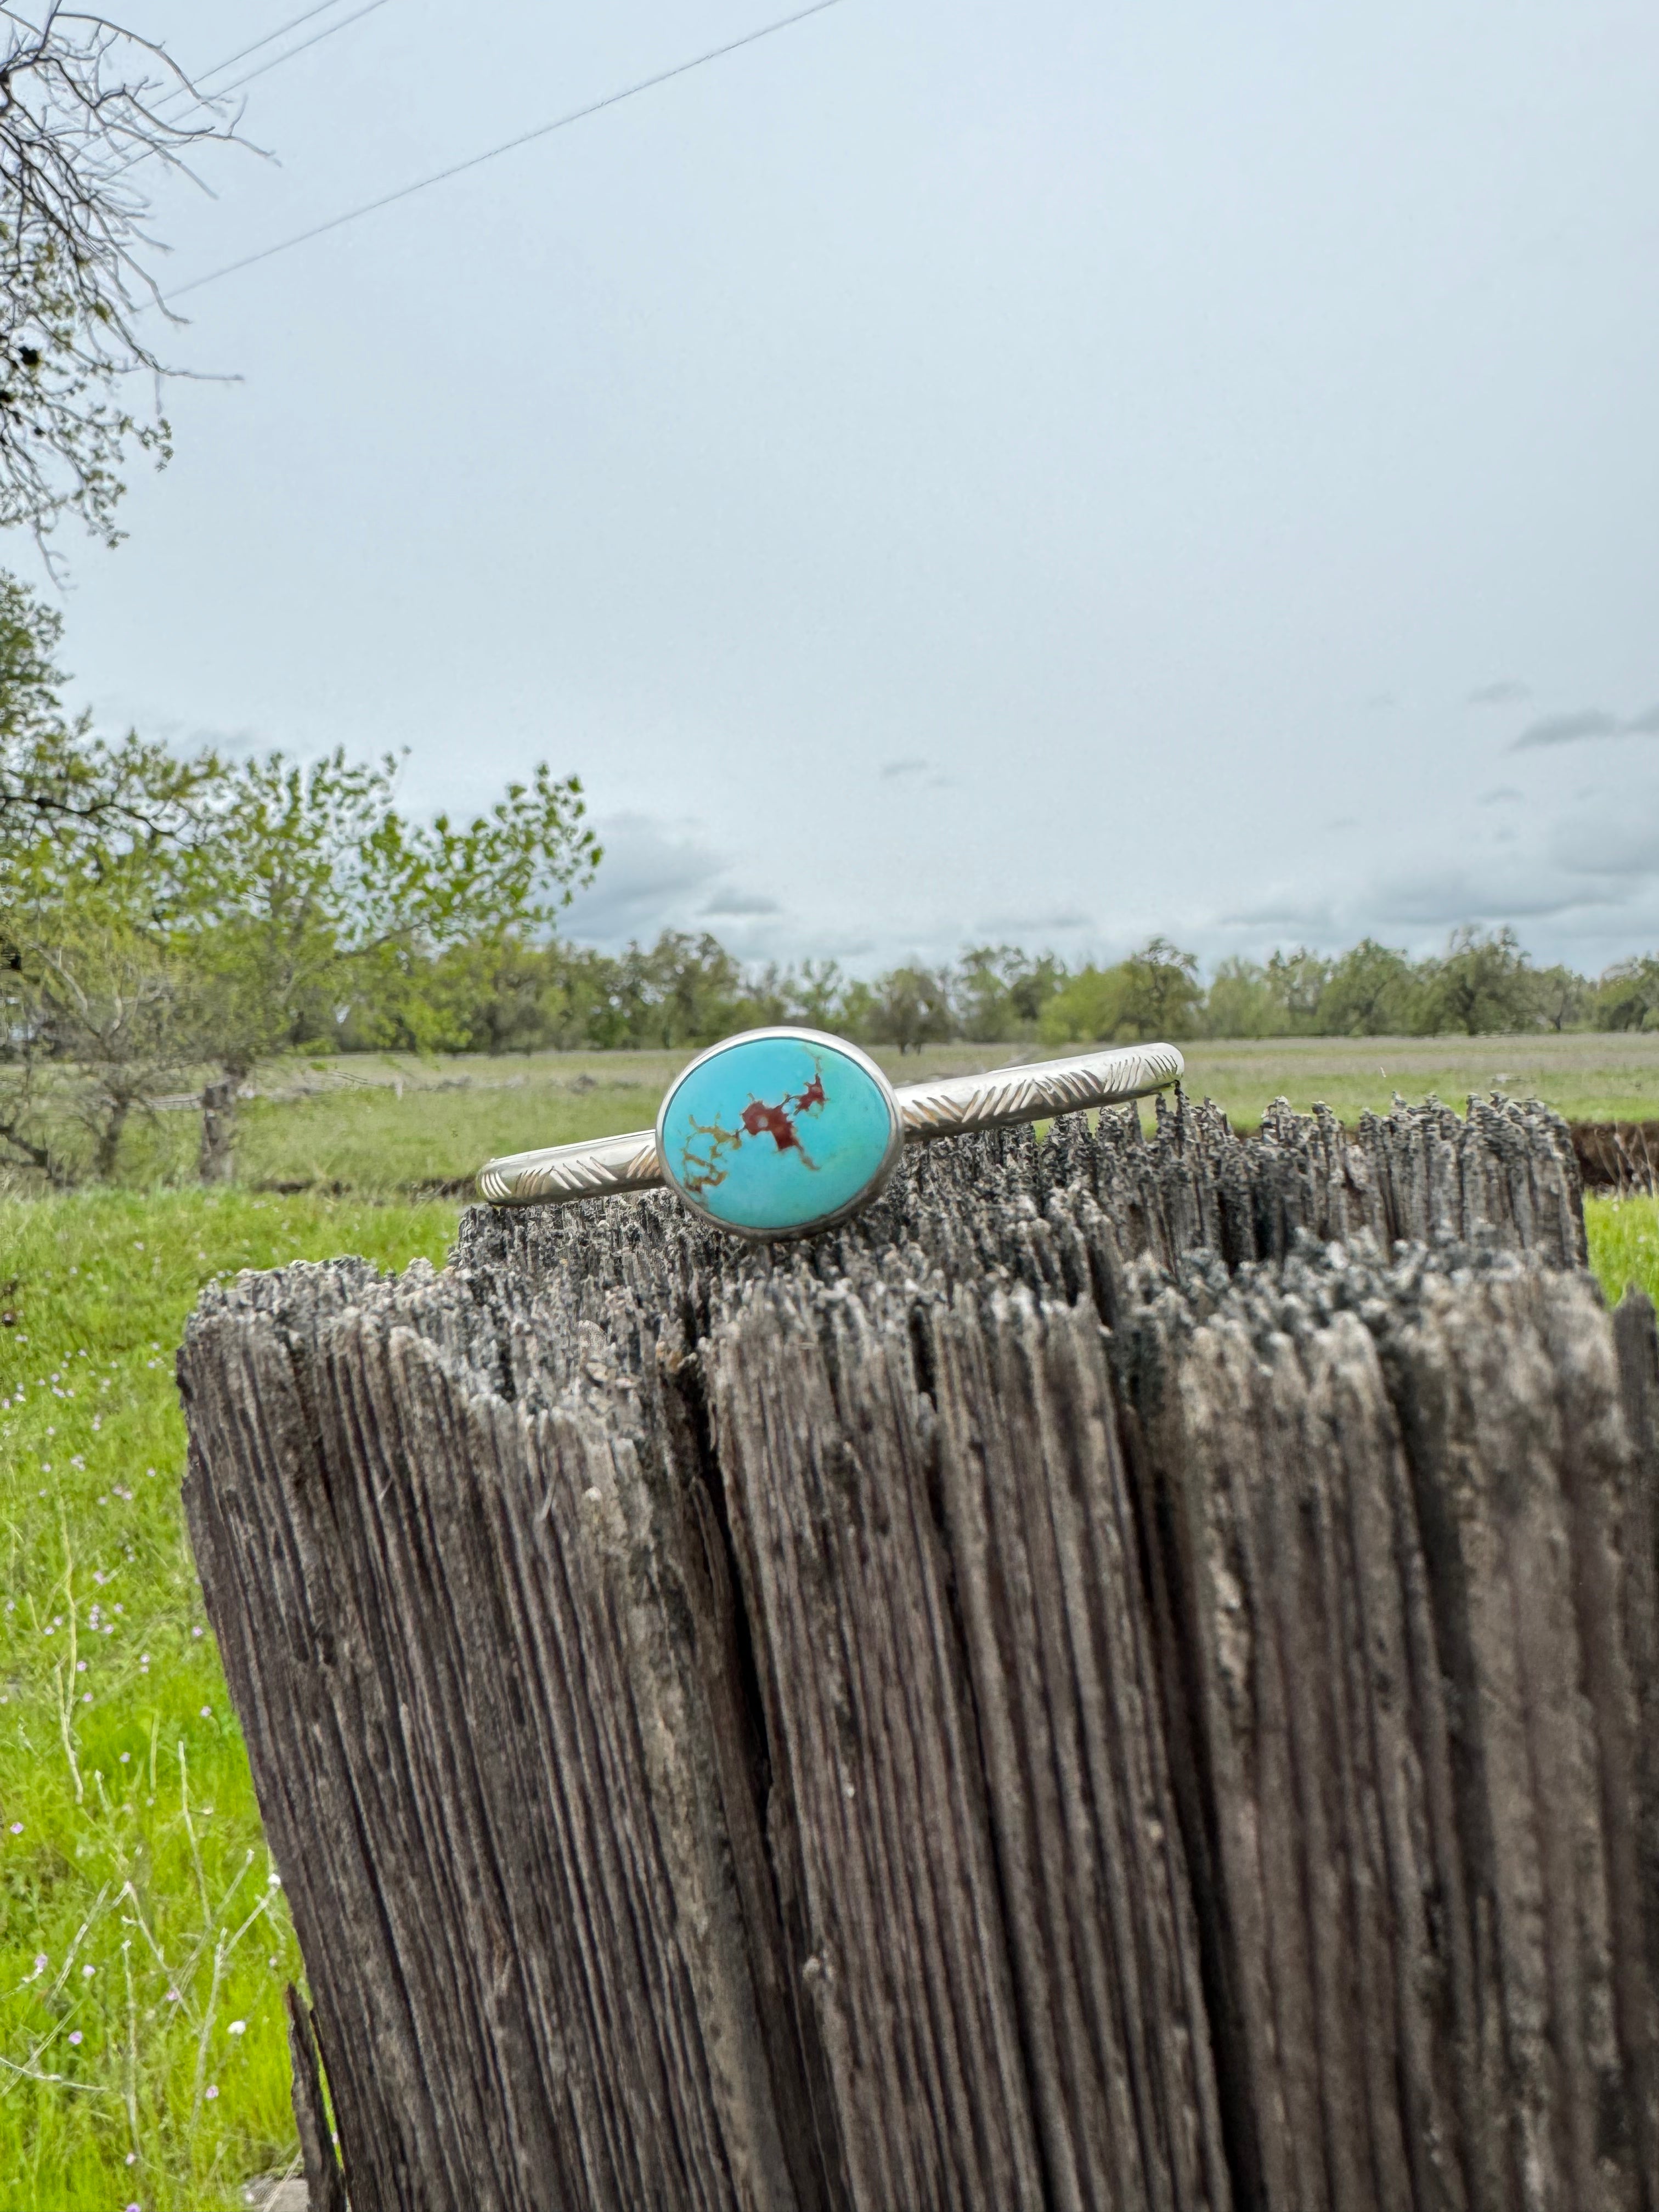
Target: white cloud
x=1567, y=729
x=736, y=904
x=1586, y=722
x=1451, y=893
x=1619, y=838
x=651, y=872
x=1283, y=910
x=1035, y=924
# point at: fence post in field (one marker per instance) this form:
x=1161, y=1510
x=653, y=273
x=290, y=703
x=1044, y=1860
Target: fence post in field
x=1125, y=1678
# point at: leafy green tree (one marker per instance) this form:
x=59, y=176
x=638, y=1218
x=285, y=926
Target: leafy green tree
x=76, y=807
x=1000, y=992
x=1627, y=995
x=910, y=1006
x=818, y=994
x=1241, y=1002
x=154, y=911
x=109, y=1005
x=487, y=997
x=501, y=993
x=91, y=831
x=767, y=996
x=93, y=1035
x=1483, y=983
x=1562, y=999
x=314, y=880
x=1298, y=981
x=1155, y=992
x=1089, y=1008
x=28, y=1127
x=1164, y=994
x=856, y=1012
x=683, y=989
x=1369, y=993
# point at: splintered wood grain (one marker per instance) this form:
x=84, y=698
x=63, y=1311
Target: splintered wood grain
x=828, y=1450
x=1003, y=1955
x=1506, y=1172
x=1302, y=1603
x=1115, y=1680
x=1044, y=1551
x=461, y=1661
x=1508, y=1393
x=1394, y=1538
x=1637, y=1341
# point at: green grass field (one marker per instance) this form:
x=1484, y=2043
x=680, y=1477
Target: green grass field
x=143, y=1944
x=144, y=1941
x=1585, y=1077
x=371, y=1140
x=387, y=1126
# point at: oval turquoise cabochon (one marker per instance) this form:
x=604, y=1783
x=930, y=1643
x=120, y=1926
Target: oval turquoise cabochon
x=772, y=1133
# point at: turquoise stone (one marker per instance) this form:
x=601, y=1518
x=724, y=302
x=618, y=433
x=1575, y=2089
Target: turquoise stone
x=771, y=1134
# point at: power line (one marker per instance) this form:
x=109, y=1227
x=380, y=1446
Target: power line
x=508, y=146
x=281, y=31
x=289, y=52
x=207, y=99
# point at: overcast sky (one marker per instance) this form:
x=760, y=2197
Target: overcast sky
x=1053, y=472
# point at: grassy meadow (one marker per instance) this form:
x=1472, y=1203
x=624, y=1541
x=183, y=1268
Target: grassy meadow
x=144, y=1941
x=381, y=1125
x=1587, y=1076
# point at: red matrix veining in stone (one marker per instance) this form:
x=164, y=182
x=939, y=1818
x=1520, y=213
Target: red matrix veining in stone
x=758, y=1120
x=778, y=1122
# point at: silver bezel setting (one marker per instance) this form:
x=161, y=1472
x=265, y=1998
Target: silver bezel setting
x=820, y=1040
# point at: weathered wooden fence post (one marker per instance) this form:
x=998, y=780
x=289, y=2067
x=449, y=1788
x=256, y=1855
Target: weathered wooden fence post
x=1107, y=1683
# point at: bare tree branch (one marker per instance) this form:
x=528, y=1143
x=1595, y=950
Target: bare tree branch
x=82, y=106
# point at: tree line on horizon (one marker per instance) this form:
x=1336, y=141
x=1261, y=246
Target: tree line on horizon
x=169, y=924
x=510, y=994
